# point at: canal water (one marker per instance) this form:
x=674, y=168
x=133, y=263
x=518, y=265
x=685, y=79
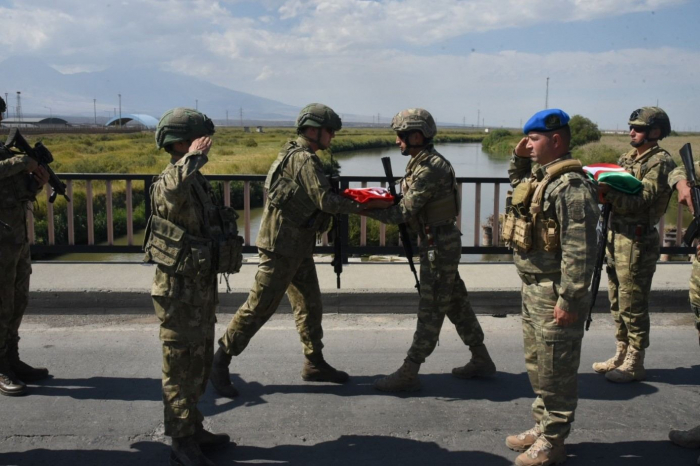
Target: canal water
x=468, y=160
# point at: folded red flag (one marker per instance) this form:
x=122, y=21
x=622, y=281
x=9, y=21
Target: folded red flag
x=363, y=195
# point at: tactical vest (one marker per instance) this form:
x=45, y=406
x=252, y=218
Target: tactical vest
x=177, y=251
x=440, y=211
x=526, y=226
x=14, y=190
x=286, y=195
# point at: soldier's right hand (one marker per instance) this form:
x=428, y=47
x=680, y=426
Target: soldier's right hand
x=684, y=196
x=521, y=150
x=31, y=164
x=377, y=204
x=202, y=144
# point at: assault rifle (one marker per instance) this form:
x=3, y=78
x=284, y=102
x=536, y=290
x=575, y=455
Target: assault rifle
x=337, y=262
x=42, y=156
x=403, y=230
x=600, y=259
x=694, y=228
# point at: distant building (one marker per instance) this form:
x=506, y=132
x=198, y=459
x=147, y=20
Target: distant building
x=259, y=129
x=136, y=119
x=246, y=129
x=35, y=123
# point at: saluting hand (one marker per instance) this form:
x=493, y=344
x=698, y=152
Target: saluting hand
x=202, y=144
x=521, y=150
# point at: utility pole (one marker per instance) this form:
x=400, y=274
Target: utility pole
x=18, y=108
x=478, y=116
x=464, y=122
x=196, y=104
x=378, y=118
x=241, y=114
x=546, y=96
x=50, y=112
x=226, y=117
x=120, y=110
x=7, y=111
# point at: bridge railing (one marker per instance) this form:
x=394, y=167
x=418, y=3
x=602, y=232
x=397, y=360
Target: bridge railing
x=481, y=198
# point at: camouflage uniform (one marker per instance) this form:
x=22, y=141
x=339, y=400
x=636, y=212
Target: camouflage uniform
x=430, y=177
x=285, y=244
x=674, y=177
x=558, y=277
x=16, y=198
x=633, y=243
x=185, y=303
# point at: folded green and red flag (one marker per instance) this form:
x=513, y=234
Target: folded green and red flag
x=614, y=175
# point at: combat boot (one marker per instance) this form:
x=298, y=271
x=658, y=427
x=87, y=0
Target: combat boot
x=316, y=369
x=206, y=439
x=10, y=385
x=403, y=380
x=186, y=452
x=480, y=365
x=524, y=440
x=22, y=370
x=219, y=376
x=542, y=453
x=631, y=369
x=614, y=362
x=686, y=438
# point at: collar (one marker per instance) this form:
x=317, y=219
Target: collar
x=420, y=156
x=304, y=143
x=541, y=171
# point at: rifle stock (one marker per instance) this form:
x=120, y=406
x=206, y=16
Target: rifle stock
x=693, y=229
x=600, y=259
x=403, y=229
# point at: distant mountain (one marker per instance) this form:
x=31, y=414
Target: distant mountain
x=143, y=90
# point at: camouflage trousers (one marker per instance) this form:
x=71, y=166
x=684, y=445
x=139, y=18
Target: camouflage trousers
x=552, y=356
x=15, y=269
x=695, y=291
x=443, y=293
x=631, y=266
x=187, y=334
x=276, y=275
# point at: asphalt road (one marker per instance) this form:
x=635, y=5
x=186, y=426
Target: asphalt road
x=103, y=406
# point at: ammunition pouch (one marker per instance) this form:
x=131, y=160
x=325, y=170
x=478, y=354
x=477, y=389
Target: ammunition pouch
x=549, y=229
x=229, y=255
x=508, y=228
x=522, y=234
x=440, y=211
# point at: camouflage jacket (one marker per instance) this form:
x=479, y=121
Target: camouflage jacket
x=678, y=174
x=16, y=196
x=570, y=200
x=652, y=168
x=291, y=230
x=429, y=177
x=174, y=199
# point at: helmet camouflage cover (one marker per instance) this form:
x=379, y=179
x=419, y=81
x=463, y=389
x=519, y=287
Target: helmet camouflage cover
x=415, y=119
x=653, y=117
x=318, y=116
x=182, y=124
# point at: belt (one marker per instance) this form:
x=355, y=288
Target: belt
x=537, y=278
x=632, y=229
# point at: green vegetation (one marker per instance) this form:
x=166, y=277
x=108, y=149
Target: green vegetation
x=583, y=131
x=501, y=142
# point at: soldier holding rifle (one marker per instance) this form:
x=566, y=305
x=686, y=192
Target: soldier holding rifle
x=299, y=201
x=21, y=179
x=551, y=224
x=430, y=206
x=633, y=242
x=684, y=179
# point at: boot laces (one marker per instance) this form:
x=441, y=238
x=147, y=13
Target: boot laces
x=535, y=432
x=540, y=445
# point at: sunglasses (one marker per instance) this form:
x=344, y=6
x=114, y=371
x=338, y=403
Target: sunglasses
x=639, y=128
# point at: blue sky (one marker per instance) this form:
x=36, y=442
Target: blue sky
x=454, y=57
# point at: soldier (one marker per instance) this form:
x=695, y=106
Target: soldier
x=430, y=205
x=551, y=224
x=21, y=179
x=298, y=207
x=633, y=242
x=190, y=238
x=678, y=179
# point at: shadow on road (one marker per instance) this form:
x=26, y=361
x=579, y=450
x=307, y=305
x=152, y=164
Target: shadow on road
x=645, y=453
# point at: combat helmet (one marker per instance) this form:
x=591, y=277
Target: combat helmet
x=182, y=124
x=414, y=119
x=653, y=117
x=318, y=116
x=3, y=106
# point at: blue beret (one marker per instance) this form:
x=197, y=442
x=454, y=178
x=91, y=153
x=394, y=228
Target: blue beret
x=546, y=120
